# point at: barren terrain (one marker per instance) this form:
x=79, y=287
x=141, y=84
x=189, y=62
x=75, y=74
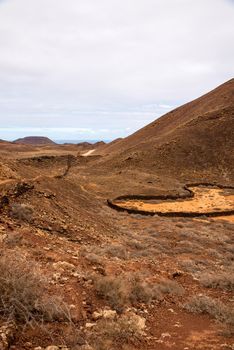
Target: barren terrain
x=78, y=274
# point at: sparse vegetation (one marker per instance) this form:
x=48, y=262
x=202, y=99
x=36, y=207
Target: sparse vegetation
x=170, y=287
x=127, y=290
x=13, y=239
x=142, y=291
x=111, y=334
x=193, y=266
x=22, y=212
x=94, y=258
x=221, y=280
x=114, y=290
x=75, y=272
x=117, y=251
x=202, y=304
x=121, y=329
x=23, y=294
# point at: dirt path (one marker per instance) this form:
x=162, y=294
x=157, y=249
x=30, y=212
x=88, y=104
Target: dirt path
x=88, y=153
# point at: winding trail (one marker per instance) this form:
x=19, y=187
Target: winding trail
x=88, y=153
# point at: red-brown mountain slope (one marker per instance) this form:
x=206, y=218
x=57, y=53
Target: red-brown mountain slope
x=198, y=136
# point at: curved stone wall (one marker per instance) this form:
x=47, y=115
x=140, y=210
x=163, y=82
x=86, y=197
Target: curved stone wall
x=190, y=194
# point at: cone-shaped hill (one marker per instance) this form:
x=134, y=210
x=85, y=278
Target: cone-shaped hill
x=35, y=140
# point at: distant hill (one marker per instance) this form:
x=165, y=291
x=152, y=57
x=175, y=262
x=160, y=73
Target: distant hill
x=35, y=140
x=106, y=148
x=196, y=137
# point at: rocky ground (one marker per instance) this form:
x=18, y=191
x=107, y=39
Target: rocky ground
x=75, y=274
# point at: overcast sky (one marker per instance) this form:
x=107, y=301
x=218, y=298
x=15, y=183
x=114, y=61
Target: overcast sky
x=91, y=69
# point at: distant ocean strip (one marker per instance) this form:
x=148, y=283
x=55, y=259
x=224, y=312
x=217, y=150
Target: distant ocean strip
x=60, y=142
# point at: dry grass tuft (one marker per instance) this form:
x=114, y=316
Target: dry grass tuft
x=170, y=287
x=113, y=334
x=22, y=212
x=222, y=280
x=23, y=294
x=202, y=304
x=121, y=329
x=13, y=239
x=114, y=290
x=117, y=251
x=142, y=291
x=127, y=290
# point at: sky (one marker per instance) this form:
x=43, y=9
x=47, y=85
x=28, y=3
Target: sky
x=88, y=69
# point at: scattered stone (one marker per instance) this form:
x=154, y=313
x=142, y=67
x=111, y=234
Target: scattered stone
x=165, y=335
x=56, y=276
x=47, y=248
x=106, y=314
x=177, y=274
x=171, y=310
x=6, y=335
x=178, y=324
x=76, y=274
x=139, y=321
x=64, y=265
x=109, y=314
x=96, y=315
x=89, y=325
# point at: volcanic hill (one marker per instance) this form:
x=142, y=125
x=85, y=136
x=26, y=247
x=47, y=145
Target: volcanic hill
x=35, y=140
x=197, y=137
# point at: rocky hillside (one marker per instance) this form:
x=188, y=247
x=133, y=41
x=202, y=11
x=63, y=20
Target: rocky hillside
x=197, y=137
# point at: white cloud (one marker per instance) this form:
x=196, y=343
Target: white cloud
x=165, y=106
x=109, y=64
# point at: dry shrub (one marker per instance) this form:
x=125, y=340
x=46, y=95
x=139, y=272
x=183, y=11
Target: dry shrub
x=128, y=289
x=94, y=259
x=22, y=212
x=202, y=304
x=138, y=216
x=121, y=329
x=53, y=308
x=113, y=334
x=185, y=247
x=95, y=254
x=117, y=251
x=114, y=290
x=92, y=253
x=73, y=337
x=170, y=287
x=222, y=280
x=23, y=294
x=136, y=244
x=13, y=239
x=192, y=266
x=142, y=291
